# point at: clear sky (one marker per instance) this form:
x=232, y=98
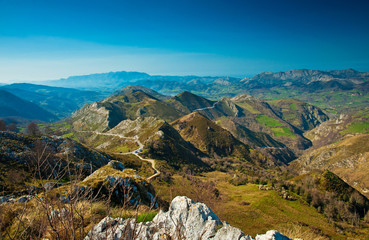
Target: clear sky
x=50, y=39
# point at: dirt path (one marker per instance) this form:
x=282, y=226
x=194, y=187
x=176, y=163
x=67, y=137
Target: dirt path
x=205, y=108
x=134, y=152
x=152, y=161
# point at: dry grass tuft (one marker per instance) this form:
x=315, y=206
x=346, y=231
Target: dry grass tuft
x=302, y=232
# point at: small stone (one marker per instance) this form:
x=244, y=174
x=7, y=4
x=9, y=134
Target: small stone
x=51, y=185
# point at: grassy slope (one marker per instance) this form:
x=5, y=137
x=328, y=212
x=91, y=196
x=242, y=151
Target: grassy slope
x=209, y=137
x=171, y=147
x=264, y=210
x=267, y=210
x=13, y=106
x=332, y=101
x=259, y=116
x=109, y=112
x=186, y=102
x=347, y=158
x=336, y=129
x=137, y=103
x=300, y=114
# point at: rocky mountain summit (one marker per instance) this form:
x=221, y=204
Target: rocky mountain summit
x=306, y=76
x=185, y=219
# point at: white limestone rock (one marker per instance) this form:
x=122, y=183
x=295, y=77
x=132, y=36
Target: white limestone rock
x=185, y=219
x=272, y=235
x=229, y=232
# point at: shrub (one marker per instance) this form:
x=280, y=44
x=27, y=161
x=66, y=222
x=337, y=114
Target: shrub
x=239, y=180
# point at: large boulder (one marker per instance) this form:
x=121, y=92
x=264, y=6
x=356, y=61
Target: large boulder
x=185, y=219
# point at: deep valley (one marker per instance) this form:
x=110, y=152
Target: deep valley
x=285, y=151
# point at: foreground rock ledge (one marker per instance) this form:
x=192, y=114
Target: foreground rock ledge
x=185, y=219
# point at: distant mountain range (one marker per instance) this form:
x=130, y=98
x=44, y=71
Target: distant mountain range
x=334, y=91
x=307, y=76
x=290, y=84
x=112, y=81
x=338, y=79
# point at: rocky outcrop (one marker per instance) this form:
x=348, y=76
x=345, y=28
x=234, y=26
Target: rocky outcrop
x=329, y=131
x=185, y=219
x=92, y=117
x=108, y=113
x=123, y=185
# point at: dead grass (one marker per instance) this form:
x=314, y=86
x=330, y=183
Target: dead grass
x=299, y=231
x=265, y=210
x=30, y=220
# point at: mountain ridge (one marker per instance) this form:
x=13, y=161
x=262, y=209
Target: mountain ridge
x=12, y=106
x=222, y=129
x=60, y=101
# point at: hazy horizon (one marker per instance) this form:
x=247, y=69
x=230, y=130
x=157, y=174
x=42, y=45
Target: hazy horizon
x=169, y=75
x=49, y=40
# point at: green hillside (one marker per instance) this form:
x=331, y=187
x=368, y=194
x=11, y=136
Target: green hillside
x=15, y=107
x=209, y=137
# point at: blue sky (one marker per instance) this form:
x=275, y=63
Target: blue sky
x=42, y=40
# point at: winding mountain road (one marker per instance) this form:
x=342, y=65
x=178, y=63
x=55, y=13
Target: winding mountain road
x=134, y=152
x=205, y=108
x=267, y=147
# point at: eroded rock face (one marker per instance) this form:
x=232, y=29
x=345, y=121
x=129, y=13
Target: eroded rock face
x=185, y=219
x=123, y=185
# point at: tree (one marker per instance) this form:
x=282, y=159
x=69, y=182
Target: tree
x=47, y=130
x=2, y=125
x=33, y=130
x=13, y=127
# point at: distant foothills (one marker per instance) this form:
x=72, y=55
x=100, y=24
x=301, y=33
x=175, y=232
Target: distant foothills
x=334, y=91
